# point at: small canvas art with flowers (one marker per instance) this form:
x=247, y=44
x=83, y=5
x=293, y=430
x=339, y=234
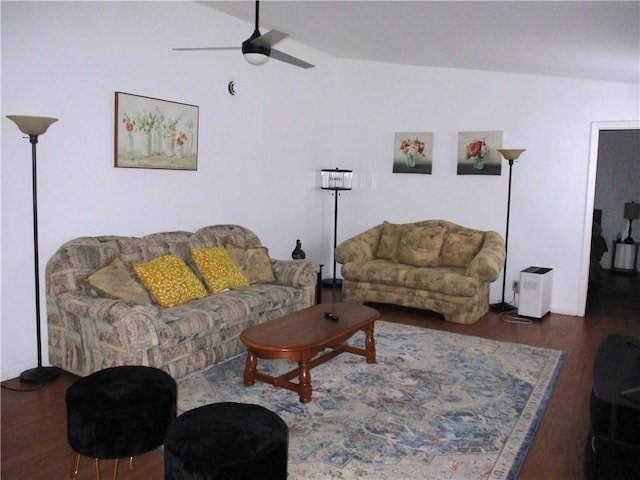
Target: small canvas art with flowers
x=413, y=152
x=478, y=153
x=154, y=133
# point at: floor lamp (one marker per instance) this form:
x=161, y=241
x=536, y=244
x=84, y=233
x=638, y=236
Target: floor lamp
x=34, y=127
x=336, y=180
x=510, y=155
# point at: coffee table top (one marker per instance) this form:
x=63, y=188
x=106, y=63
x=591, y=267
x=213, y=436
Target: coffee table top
x=308, y=328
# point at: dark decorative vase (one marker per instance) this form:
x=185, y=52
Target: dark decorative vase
x=298, y=253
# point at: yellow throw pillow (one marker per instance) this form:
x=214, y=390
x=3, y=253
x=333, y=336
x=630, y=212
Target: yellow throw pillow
x=114, y=281
x=169, y=280
x=217, y=269
x=254, y=263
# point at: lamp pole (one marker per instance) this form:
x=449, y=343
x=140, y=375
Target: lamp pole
x=510, y=155
x=34, y=127
x=335, y=180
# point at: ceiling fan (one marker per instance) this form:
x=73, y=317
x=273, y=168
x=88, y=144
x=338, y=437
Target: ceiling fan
x=257, y=48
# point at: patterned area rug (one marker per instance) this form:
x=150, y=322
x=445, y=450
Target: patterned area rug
x=436, y=405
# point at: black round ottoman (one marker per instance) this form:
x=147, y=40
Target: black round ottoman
x=227, y=441
x=120, y=412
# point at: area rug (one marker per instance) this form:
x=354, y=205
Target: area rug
x=436, y=405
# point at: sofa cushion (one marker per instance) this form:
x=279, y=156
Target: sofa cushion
x=114, y=281
x=217, y=269
x=458, y=249
x=420, y=246
x=169, y=280
x=253, y=262
x=447, y=280
x=389, y=239
x=377, y=271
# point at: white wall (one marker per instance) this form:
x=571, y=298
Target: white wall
x=260, y=150
x=550, y=117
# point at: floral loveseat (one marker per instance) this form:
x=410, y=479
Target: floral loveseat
x=90, y=329
x=434, y=265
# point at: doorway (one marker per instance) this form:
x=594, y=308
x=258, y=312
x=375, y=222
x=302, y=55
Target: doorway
x=597, y=128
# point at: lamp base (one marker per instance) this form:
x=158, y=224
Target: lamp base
x=39, y=374
x=502, y=307
x=331, y=282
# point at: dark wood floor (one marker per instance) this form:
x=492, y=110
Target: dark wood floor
x=34, y=422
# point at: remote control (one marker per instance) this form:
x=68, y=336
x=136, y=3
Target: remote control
x=331, y=316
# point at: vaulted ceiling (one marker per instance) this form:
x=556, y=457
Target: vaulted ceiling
x=598, y=40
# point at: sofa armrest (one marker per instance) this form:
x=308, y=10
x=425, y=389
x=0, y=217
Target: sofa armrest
x=360, y=248
x=296, y=273
x=121, y=325
x=488, y=262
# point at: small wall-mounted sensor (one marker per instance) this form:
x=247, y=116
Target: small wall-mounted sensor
x=232, y=88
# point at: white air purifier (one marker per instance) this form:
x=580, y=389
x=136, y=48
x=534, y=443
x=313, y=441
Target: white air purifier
x=535, y=292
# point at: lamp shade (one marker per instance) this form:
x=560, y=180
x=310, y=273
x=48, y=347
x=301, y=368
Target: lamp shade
x=31, y=125
x=336, y=179
x=632, y=211
x=511, y=153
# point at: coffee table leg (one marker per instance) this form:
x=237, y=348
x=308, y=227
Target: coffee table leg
x=250, y=369
x=304, y=385
x=369, y=344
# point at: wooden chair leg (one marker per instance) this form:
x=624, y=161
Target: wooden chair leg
x=97, y=469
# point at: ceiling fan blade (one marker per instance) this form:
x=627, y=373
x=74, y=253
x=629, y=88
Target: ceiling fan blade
x=183, y=49
x=270, y=38
x=283, y=57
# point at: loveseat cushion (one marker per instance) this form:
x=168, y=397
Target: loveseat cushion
x=377, y=271
x=459, y=248
x=420, y=246
x=447, y=280
x=389, y=240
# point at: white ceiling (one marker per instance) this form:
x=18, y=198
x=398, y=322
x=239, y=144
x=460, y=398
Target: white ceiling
x=578, y=39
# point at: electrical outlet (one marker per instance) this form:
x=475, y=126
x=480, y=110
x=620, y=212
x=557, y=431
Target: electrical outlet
x=516, y=286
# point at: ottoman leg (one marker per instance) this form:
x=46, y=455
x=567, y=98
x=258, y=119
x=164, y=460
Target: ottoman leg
x=75, y=466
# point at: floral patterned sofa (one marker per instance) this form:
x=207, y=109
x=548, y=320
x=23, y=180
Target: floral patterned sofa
x=89, y=331
x=433, y=265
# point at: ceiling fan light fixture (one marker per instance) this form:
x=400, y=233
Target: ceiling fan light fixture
x=254, y=53
x=256, y=59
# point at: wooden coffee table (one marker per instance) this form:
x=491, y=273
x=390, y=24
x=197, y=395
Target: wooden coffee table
x=301, y=335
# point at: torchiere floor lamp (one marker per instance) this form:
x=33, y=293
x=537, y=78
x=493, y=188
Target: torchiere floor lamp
x=510, y=155
x=336, y=180
x=34, y=127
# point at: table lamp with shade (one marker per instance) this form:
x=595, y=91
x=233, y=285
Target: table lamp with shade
x=631, y=213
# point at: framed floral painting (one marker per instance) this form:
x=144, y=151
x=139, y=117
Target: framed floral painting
x=154, y=133
x=413, y=152
x=478, y=153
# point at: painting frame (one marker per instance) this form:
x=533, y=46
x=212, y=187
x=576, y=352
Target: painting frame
x=155, y=133
x=413, y=152
x=478, y=152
